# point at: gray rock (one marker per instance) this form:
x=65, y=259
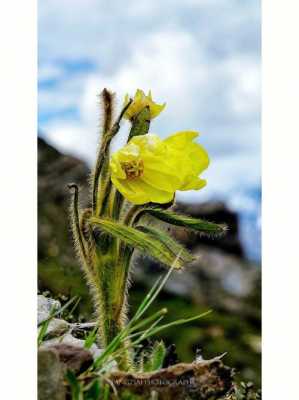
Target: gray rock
x=72, y=341
x=57, y=327
x=229, y=273
x=59, y=331
x=68, y=339
x=215, y=278
x=44, y=306
x=73, y=358
x=50, y=375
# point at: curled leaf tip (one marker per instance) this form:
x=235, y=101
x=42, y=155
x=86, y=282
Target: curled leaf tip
x=72, y=187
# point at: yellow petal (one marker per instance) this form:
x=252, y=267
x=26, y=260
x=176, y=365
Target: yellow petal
x=191, y=158
x=156, y=109
x=139, y=95
x=139, y=192
x=180, y=139
x=153, y=194
x=136, y=197
x=194, y=184
x=141, y=101
x=149, y=142
x=149, y=169
x=198, y=157
x=161, y=180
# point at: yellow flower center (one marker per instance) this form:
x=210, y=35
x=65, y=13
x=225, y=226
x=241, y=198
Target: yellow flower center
x=133, y=169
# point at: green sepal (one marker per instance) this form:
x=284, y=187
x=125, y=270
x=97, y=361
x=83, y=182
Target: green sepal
x=141, y=123
x=145, y=243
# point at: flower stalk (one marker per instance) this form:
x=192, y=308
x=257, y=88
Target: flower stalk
x=136, y=183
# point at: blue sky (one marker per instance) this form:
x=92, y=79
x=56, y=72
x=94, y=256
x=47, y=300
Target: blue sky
x=201, y=57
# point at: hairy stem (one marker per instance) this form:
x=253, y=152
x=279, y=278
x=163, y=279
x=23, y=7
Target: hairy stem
x=78, y=236
x=111, y=310
x=102, y=156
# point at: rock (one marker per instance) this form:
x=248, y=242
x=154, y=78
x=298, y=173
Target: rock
x=59, y=331
x=58, y=268
x=55, y=172
x=70, y=340
x=44, y=306
x=73, y=342
x=50, y=375
x=216, y=279
x=57, y=327
x=73, y=357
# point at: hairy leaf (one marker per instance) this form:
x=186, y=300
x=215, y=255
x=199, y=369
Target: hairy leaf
x=173, y=246
x=156, y=358
x=139, y=240
x=188, y=222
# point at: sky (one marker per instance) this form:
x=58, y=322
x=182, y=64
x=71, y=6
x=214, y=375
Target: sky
x=201, y=57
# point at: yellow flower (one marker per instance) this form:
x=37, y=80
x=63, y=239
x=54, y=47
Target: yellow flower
x=140, y=101
x=149, y=169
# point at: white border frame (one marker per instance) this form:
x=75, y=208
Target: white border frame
x=280, y=130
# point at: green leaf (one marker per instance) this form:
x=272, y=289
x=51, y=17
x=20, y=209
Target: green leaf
x=91, y=338
x=173, y=246
x=42, y=332
x=197, y=224
x=94, y=391
x=139, y=240
x=76, y=387
x=43, y=325
x=156, y=358
x=175, y=323
x=106, y=394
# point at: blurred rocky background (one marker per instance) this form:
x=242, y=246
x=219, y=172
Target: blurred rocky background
x=222, y=278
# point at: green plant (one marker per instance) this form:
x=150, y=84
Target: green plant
x=122, y=204
x=94, y=382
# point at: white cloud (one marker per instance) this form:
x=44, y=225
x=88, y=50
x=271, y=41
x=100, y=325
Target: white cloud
x=63, y=135
x=167, y=63
x=164, y=62
x=245, y=74
x=148, y=47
